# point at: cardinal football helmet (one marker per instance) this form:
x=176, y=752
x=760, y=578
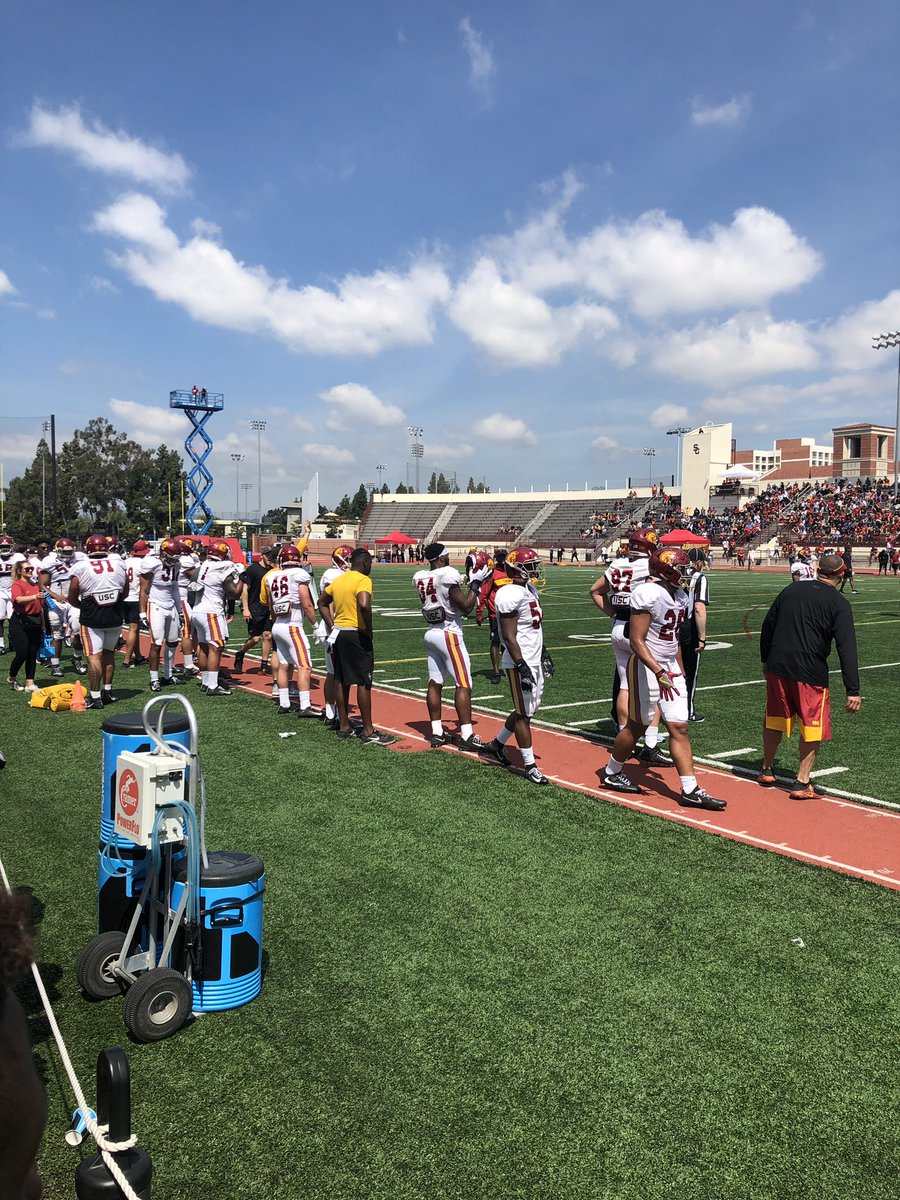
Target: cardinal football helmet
x=482, y=560
x=95, y=546
x=671, y=564
x=642, y=543
x=65, y=549
x=289, y=556
x=523, y=564
x=169, y=551
x=6, y=547
x=219, y=550
x=341, y=556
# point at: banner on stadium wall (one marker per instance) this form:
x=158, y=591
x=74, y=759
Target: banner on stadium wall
x=310, y=499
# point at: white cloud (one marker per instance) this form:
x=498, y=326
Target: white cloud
x=722, y=114
x=837, y=394
x=517, y=327
x=454, y=451
x=149, y=425
x=102, y=149
x=322, y=455
x=668, y=414
x=744, y=347
x=482, y=67
x=848, y=340
x=499, y=428
x=6, y=285
x=17, y=451
x=604, y=443
x=352, y=405
x=365, y=314
x=45, y=314
x=99, y=283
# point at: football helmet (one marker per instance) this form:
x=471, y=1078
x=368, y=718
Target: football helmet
x=95, y=546
x=670, y=564
x=341, y=556
x=189, y=543
x=112, y=544
x=523, y=564
x=219, y=550
x=642, y=543
x=140, y=548
x=65, y=549
x=482, y=560
x=169, y=551
x=6, y=547
x=289, y=556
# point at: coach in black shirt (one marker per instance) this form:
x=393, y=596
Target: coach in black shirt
x=794, y=644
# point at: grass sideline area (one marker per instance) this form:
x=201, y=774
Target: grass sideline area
x=480, y=989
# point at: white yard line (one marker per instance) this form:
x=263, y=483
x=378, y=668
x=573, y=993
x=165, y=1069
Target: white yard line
x=734, y=753
x=827, y=771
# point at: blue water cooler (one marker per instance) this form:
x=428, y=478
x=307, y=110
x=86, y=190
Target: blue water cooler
x=231, y=901
x=121, y=864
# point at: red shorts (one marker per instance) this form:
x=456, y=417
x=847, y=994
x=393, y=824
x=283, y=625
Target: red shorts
x=787, y=699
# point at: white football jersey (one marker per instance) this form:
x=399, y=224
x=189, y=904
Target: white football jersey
x=284, y=587
x=61, y=571
x=163, y=578
x=133, y=565
x=803, y=572
x=189, y=564
x=6, y=569
x=666, y=617
x=434, y=593
x=521, y=601
x=100, y=583
x=623, y=575
x=211, y=580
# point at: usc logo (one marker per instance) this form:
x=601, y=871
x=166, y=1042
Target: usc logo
x=696, y=448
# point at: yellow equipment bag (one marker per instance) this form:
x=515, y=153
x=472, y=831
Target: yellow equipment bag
x=57, y=698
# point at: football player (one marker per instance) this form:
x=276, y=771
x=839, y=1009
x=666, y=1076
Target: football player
x=97, y=589
x=524, y=659
x=340, y=562
x=189, y=563
x=160, y=608
x=133, y=563
x=290, y=601
x=444, y=605
x=217, y=580
x=487, y=599
x=612, y=594
x=655, y=677
x=54, y=575
x=8, y=559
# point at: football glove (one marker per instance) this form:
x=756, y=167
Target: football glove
x=525, y=675
x=144, y=623
x=477, y=578
x=547, y=664
x=667, y=688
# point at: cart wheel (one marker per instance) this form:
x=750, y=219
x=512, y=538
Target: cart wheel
x=93, y=970
x=157, y=1004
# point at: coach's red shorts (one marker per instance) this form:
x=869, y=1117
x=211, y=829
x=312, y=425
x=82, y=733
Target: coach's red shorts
x=787, y=700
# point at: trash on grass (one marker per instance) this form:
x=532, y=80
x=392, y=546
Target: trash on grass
x=798, y=942
x=290, y=733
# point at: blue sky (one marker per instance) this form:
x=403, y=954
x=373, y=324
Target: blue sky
x=543, y=231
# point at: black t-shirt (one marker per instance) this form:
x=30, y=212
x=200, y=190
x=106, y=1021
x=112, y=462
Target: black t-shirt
x=796, y=635
x=253, y=578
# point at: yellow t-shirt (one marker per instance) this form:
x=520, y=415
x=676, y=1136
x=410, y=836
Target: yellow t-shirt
x=343, y=592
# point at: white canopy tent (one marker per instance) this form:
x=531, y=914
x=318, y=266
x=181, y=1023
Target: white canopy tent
x=739, y=472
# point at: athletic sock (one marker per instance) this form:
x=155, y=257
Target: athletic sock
x=95, y=695
x=54, y=660
x=304, y=699
x=213, y=677
x=284, y=697
x=528, y=756
x=189, y=661
x=503, y=736
x=331, y=712
x=107, y=687
x=154, y=676
x=437, y=728
x=613, y=767
x=169, y=661
x=651, y=736
x=688, y=783
x=204, y=675
x=466, y=731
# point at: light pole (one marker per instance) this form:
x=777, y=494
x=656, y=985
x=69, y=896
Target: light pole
x=260, y=428
x=890, y=341
x=45, y=428
x=237, y=459
x=679, y=431
x=649, y=453
x=248, y=487
x=415, y=447
x=380, y=468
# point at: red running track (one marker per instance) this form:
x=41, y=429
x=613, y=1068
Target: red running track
x=847, y=836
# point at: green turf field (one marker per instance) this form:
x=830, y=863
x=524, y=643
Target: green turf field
x=477, y=988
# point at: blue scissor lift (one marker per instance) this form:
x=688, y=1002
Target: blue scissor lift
x=198, y=407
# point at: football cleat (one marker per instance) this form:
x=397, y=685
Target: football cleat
x=472, y=744
x=107, y=697
x=619, y=783
x=440, y=739
x=166, y=680
x=93, y=703
x=534, y=775
x=700, y=799
x=697, y=717
x=239, y=661
x=376, y=738
x=56, y=672
x=284, y=710
x=218, y=691
x=155, y=685
x=654, y=757
x=80, y=668
x=309, y=711
x=497, y=752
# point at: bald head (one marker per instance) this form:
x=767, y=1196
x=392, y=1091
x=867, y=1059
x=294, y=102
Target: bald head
x=831, y=568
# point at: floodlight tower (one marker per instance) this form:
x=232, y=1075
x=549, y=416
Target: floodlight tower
x=416, y=447
x=198, y=406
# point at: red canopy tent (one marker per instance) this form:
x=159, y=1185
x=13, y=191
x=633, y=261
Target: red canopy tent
x=683, y=537
x=396, y=539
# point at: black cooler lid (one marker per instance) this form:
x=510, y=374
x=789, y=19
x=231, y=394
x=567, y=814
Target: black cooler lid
x=131, y=724
x=227, y=868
